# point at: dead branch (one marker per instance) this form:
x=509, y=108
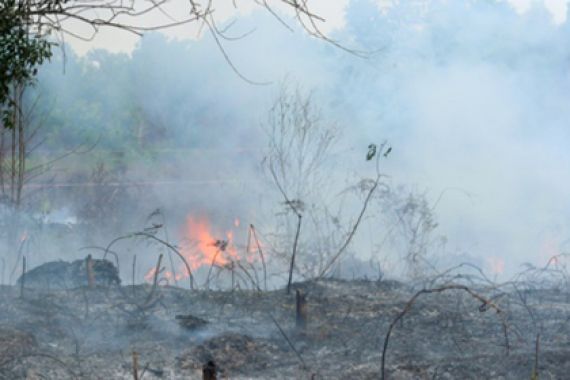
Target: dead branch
x=152, y=237
x=288, y=341
x=362, y=211
x=157, y=272
x=134, y=272
x=211, y=267
x=485, y=302
x=23, y=281
x=260, y=251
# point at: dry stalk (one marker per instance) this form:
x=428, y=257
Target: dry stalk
x=90, y=274
x=260, y=251
x=22, y=283
x=356, y=224
x=211, y=267
x=254, y=283
x=288, y=341
x=135, y=365
x=134, y=272
x=155, y=279
x=534, y=375
x=486, y=304
x=300, y=310
x=152, y=237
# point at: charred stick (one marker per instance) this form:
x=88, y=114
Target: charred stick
x=288, y=341
x=301, y=310
x=256, y=276
x=20, y=254
x=90, y=274
x=211, y=267
x=22, y=283
x=536, y=353
x=135, y=365
x=253, y=283
x=300, y=218
x=411, y=302
x=260, y=255
x=134, y=272
x=233, y=274
x=157, y=271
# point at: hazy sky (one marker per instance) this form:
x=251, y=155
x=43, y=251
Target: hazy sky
x=331, y=11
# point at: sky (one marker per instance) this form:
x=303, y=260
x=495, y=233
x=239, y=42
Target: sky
x=332, y=11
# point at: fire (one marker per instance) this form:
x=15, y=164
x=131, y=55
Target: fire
x=204, y=245
x=204, y=248
x=150, y=275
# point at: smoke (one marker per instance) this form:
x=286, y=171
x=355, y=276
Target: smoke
x=471, y=95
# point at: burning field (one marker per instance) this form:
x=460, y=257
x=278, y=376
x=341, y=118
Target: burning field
x=458, y=325
x=284, y=189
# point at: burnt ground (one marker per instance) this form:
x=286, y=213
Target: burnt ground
x=87, y=333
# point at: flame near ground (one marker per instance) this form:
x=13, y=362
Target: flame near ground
x=205, y=246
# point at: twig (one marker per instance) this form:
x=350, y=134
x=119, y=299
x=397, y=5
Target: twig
x=134, y=270
x=260, y=255
x=90, y=274
x=211, y=267
x=288, y=341
x=487, y=303
x=152, y=237
x=360, y=216
x=155, y=279
x=22, y=283
x=536, y=353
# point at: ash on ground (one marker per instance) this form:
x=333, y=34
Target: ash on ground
x=99, y=332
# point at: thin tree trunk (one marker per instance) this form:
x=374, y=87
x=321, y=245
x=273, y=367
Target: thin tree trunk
x=2, y=154
x=13, y=152
x=21, y=147
x=299, y=216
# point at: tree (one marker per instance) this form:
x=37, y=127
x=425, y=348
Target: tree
x=26, y=26
x=298, y=158
x=21, y=52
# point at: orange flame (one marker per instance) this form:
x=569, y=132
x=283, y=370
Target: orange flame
x=204, y=246
x=208, y=248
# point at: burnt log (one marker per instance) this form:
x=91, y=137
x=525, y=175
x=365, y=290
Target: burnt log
x=59, y=275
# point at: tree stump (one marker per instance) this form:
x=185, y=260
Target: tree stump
x=209, y=371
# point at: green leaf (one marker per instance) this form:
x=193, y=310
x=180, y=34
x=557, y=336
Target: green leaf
x=371, y=152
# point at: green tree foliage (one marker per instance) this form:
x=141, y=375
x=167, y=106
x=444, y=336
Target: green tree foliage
x=21, y=52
